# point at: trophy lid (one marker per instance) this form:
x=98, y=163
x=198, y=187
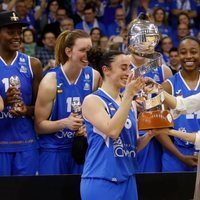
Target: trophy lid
x=143, y=35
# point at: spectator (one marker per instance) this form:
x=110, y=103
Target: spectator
x=78, y=16
x=163, y=4
x=95, y=35
x=18, y=141
x=119, y=23
x=160, y=20
x=49, y=16
x=184, y=18
x=174, y=60
x=108, y=16
x=104, y=43
x=29, y=44
x=66, y=24
x=26, y=16
x=182, y=31
x=61, y=13
x=187, y=6
x=46, y=53
x=166, y=45
x=90, y=21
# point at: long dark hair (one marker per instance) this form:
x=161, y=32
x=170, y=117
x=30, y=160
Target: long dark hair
x=97, y=58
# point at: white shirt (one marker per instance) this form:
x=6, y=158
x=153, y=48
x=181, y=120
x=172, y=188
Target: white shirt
x=189, y=105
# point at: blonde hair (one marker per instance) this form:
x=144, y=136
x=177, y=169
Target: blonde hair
x=67, y=39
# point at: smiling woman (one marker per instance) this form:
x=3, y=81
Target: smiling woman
x=179, y=153
x=55, y=120
x=110, y=165
x=18, y=141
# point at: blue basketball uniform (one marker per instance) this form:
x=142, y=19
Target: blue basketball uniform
x=186, y=123
x=17, y=134
x=110, y=162
x=55, y=148
x=150, y=158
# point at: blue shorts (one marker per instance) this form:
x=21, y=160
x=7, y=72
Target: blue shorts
x=99, y=189
x=150, y=158
x=171, y=163
x=58, y=162
x=23, y=163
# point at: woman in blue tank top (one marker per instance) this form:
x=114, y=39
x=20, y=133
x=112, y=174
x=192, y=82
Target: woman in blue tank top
x=56, y=122
x=109, y=169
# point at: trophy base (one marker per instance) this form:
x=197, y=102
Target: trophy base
x=155, y=119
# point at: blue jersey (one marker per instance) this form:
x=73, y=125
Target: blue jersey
x=66, y=94
x=149, y=158
x=17, y=133
x=156, y=74
x=186, y=123
x=113, y=160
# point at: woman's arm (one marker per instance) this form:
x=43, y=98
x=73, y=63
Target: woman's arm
x=43, y=108
x=190, y=137
x=1, y=104
x=94, y=110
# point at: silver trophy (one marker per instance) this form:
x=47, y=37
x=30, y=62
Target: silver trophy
x=76, y=107
x=15, y=82
x=143, y=36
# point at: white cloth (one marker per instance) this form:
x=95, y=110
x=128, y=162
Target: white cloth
x=189, y=104
x=197, y=141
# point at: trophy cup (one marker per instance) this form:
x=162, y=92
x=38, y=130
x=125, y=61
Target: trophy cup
x=76, y=107
x=15, y=82
x=79, y=145
x=143, y=36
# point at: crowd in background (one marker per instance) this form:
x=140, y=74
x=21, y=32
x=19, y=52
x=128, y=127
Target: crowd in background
x=105, y=20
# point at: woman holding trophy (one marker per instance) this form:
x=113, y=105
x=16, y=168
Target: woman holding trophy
x=57, y=122
x=110, y=165
x=143, y=38
x=19, y=79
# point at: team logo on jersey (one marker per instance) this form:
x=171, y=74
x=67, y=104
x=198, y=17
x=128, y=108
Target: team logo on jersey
x=111, y=107
x=156, y=78
x=86, y=86
x=178, y=92
x=59, y=90
x=87, y=76
x=64, y=133
x=22, y=59
x=123, y=150
x=23, y=69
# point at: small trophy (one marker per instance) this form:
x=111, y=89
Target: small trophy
x=76, y=107
x=143, y=36
x=15, y=82
x=79, y=145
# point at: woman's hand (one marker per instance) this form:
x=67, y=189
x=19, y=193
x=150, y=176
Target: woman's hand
x=151, y=86
x=133, y=86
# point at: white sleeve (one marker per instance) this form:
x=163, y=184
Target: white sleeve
x=189, y=104
x=197, y=141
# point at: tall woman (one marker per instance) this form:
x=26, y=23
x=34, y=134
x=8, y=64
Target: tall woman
x=55, y=121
